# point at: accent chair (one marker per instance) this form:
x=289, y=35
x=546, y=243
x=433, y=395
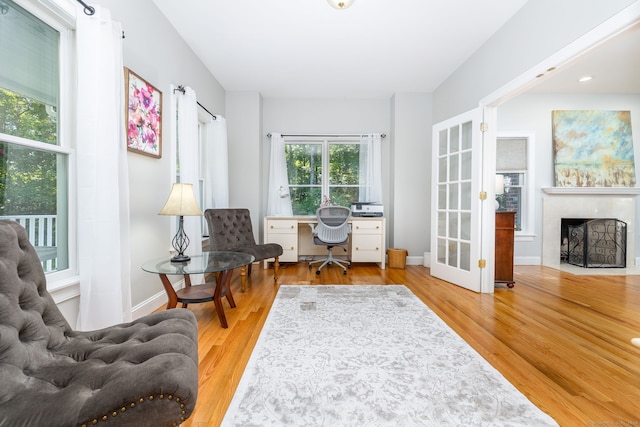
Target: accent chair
x=141, y=373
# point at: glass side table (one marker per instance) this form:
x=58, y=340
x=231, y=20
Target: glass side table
x=220, y=262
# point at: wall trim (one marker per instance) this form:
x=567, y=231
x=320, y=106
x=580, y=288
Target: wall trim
x=527, y=260
x=154, y=302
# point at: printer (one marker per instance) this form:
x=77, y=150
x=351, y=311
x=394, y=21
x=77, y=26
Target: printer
x=367, y=209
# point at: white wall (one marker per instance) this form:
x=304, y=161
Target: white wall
x=536, y=32
x=532, y=113
x=154, y=50
x=327, y=116
x=411, y=170
x=244, y=129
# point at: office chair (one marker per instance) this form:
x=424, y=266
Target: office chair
x=332, y=230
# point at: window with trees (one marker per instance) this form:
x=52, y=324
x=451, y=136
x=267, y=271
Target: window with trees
x=325, y=170
x=34, y=161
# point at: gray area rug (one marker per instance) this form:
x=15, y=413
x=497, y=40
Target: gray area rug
x=336, y=355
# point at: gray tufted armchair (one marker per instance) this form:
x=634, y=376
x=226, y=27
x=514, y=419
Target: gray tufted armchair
x=231, y=230
x=143, y=373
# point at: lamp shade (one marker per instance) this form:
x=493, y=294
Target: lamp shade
x=181, y=202
x=340, y=4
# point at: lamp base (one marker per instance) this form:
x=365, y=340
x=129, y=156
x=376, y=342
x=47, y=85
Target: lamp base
x=181, y=258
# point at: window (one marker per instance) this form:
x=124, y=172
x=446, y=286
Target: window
x=34, y=147
x=513, y=162
x=319, y=167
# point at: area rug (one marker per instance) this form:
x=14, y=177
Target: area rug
x=355, y=355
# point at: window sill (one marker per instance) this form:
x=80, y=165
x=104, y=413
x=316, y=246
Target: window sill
x=64, y=289
x=524, y=237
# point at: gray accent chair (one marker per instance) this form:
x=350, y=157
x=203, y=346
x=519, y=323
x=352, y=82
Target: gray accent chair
x=231, y=230
x=142, y=373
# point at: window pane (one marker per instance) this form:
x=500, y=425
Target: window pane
x=344, y=196
x=28, y=76
x=304, y=167
x=344, y=164
x=305, y=200
x=33, y=191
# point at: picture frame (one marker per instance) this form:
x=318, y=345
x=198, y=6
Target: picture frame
x=143, y=113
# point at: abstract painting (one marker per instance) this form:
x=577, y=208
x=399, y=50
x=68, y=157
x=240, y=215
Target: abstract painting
x=593, y=149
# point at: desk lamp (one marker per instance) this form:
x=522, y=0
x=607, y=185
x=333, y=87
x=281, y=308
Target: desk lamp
x=181, y=202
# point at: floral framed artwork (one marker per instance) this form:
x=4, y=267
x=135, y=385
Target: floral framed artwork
x=143, y=115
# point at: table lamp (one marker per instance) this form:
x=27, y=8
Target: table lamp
x=181, y=202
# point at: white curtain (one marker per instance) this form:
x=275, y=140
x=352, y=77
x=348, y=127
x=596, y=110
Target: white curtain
x=279, y=199
x=189, y=164
x=371, y=168
x=102, y=176
x=217, y=164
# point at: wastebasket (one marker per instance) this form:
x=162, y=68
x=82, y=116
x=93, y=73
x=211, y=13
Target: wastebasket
x=397, y=257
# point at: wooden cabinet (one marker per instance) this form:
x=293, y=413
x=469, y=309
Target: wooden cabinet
x=505, y=231
x=367, y=241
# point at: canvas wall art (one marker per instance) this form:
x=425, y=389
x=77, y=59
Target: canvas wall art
x=593, y=149
x=143, y=115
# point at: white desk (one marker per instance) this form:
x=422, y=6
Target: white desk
x=366, y=243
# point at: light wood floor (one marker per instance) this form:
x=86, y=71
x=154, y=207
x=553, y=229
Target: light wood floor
x=562, y=340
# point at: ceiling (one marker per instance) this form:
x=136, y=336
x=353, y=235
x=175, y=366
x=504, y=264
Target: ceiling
x=614, y=66
x=306, y=49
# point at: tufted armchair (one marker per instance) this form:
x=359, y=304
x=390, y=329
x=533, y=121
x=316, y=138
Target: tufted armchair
x=143, y=373
x=231, y=230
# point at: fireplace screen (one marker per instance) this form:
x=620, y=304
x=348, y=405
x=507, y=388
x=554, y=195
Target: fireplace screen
x=598, y=243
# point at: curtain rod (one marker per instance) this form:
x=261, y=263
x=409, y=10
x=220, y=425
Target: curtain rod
x=382, y=135
x=182, y=89
x=88, y=10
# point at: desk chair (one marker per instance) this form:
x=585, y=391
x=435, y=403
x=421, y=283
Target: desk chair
x=333, y=230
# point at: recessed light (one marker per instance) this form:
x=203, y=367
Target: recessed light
x=585, y=79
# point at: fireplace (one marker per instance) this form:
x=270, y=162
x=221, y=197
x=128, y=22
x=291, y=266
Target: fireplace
x=594, y=243
x=585, y=204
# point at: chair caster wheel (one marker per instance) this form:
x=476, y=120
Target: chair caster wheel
x=318, y=272
x=309, y=266
x=344, y=272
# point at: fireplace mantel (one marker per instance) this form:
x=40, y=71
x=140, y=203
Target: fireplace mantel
x=592, y=191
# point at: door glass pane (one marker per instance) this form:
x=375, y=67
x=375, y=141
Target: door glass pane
x=442, y=251
x=465, y=225
x=466, y=136
x=453, y=225
x=442, y=196
x=453, y=196
x=465, y=165
x=454, y=143
x=442, y=169
x=465, y=256
x=465, y=196
x=453, y=168
x=443, y=148
x=453, y=254
x=442, y=224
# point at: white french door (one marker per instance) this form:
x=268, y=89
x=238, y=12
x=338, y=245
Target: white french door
x=455, y=199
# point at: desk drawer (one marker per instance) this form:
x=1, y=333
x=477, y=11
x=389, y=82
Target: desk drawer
x=366, y=227
x=366, y=248
x=277, y=226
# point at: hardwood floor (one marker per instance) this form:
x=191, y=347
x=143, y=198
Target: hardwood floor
x=562, y=340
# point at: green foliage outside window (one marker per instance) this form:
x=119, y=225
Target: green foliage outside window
x=28, y=177
x=305, y=170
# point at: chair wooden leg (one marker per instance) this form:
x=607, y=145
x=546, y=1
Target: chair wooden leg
x=276, y=265
x=243, y=277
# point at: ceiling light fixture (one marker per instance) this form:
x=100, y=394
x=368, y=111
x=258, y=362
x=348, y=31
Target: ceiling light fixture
x=340, y=4
x=585, y=79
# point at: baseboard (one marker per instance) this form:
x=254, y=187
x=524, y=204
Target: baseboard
x=154, y=302
x=524, y=260
x=415, y=260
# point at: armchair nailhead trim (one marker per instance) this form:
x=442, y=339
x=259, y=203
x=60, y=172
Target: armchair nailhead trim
x=183, y=412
